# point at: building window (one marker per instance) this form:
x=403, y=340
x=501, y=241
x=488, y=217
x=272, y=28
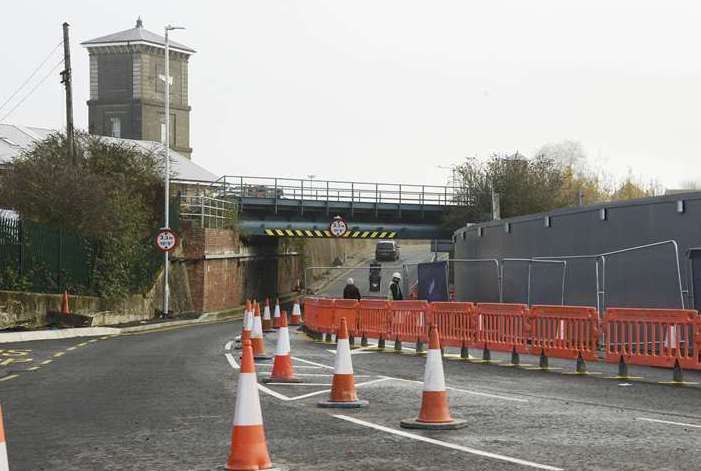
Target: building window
x=116, y=126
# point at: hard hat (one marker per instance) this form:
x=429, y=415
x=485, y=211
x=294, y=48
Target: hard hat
x=396, y=275
x=351, y=281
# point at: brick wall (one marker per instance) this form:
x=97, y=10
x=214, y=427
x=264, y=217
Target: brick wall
x=223, y=274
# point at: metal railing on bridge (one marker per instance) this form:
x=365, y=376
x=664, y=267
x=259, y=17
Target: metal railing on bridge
x=208, y=211
x=340, y=191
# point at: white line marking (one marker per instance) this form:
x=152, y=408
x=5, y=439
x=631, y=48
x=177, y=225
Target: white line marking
x=452, y=446
x=353, y=352
x=313, y=363
x=228, y=345
x=270, y=365
x=316, y=393
x=298, y=384
x=682, y=424
x=467, y=391
x=273, y=393
x=231, y=360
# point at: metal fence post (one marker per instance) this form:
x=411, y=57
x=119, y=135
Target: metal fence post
x=202, y=211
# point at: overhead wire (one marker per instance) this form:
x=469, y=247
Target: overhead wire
x=44, y=78
x=31, y=76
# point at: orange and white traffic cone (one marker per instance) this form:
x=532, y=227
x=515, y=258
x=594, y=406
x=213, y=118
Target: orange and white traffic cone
x=267, y=320
x=257, y=337
x=296, y=318
x=282, y=372
x=249, y=450
x=247, y=324
x=65, y=309
x=4, y=464
x=343, y=393
x=434, y=414
x=276, y=314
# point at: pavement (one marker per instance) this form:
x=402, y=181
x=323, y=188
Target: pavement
x=164, y=400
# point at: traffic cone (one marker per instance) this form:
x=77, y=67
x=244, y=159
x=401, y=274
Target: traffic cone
x=276, y=314
x=4, y=464
x=267, y=320
x=296, y=318
x=257, y=337
x=65, y=309
x=343, y=393
x=282, y=372
x=434, y=414
x=247, y=323
x=249, y=450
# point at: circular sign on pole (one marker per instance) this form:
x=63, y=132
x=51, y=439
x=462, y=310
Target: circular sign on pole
x=166, y=240
x=338, y=227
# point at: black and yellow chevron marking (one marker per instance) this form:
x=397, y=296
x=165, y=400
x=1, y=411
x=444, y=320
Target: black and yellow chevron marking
x=325, y=234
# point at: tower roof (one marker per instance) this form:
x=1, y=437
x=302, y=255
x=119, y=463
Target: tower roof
x=136, y=35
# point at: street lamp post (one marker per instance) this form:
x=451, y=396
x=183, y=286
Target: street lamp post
x=166, y=216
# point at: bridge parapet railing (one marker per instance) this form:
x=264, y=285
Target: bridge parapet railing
x=338, y=191
x=208, y=211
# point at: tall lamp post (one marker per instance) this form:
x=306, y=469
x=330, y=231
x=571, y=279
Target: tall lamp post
x=166, y=79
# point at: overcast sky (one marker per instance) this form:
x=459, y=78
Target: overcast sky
x=389, y=90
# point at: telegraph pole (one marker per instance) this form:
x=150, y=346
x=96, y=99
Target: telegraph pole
x=67, y=82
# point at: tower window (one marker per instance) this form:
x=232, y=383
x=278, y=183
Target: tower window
x=116, y=126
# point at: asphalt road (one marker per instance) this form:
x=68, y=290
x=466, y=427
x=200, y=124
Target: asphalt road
x=164, y=400
x=410, y=255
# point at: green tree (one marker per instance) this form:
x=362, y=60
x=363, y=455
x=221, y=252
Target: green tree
x=113, y=196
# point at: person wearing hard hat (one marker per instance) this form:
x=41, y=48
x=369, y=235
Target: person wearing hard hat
x=351, y=291
x=395, y=291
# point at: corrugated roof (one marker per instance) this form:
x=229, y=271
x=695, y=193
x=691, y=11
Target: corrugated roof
x=15, y=139
x=136, y=35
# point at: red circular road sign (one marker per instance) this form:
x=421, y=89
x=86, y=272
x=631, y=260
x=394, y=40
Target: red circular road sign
x=166, y=240
x=338, y=227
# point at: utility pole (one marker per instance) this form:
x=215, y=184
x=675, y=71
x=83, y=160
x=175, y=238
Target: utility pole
x=67, y=82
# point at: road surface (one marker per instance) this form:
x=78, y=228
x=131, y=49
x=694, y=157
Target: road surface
x=410, y=255
x=164, y=401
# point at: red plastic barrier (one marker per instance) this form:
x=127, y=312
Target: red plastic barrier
x=501, y=327
x=373, y=317
x=347, y=308
x=654, y=337
x=408, y=320
x=564, y=331
x=311, y=312
x=455, y=322
x=324, y=318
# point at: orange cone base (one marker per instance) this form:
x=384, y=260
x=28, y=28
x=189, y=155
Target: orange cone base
x=267, y=326
x=295, y=321
x=283, y=371
x=249, y=450
x=343, y=404
x=343, y=393
x=415, y=424
x=434, y=414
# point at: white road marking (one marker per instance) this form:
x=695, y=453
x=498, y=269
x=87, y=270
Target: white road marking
x=273, y=393
x=316, y=393
x=452, y=446
x=468, y=391
x=228, y=345
x=353, y=352
x=298, y=384
x=270, y=365
x=231, y=360
x=668, y=422
x=313, y=363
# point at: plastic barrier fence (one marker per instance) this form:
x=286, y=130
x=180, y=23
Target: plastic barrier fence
x=456, y=322
x=502, y=327
x=373, y=318
x=347, y=308
x=654, y=337
x=408, y=321
x=564, y=331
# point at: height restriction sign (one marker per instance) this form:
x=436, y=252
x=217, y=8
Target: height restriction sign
x=338, y=227
x=166, y=240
